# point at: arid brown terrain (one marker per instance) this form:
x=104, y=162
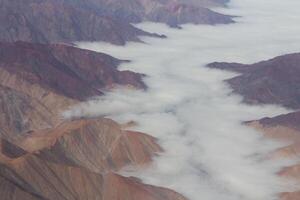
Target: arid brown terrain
x=68, y=21
x=274, y=81
x=284, y=128
x=39, y=81
x=53, y=21
x=44, y=156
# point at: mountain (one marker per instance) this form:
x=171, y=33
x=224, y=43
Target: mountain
x=40, y=81
x=284, y=128
x=69, y=21
x=65, y=70
x=76, y=160
x=205, y=3
x=274, y=81
x=44, y=156
x=99, y=145
x=171, y=12
x=55, y=21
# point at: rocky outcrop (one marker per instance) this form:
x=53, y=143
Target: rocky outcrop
x=274, y=81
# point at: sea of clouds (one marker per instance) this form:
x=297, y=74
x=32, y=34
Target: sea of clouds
x=209, y=154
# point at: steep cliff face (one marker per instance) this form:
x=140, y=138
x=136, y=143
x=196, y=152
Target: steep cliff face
x=274, y=81
x=284, y=128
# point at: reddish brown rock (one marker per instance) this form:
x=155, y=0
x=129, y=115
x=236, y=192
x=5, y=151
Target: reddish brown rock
x=21, y=113
x=11, y=191
x=65, y=70
x=290, y=196
x=284, y=128
x=69, y=164
x=274, y=81
x=99, y=145
x=38, y=82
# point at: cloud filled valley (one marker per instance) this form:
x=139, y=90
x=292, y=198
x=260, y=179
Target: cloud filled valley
x=208, y=153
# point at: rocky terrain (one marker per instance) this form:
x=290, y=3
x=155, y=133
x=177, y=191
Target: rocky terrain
x=53, y=21
x=76, y=160
x=284, y=128
x=38, y=82
x=171, y=12
x=68, y=21
x=274, y=81
x=44, y=156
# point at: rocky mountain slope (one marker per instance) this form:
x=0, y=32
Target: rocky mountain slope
x=274, y=81
x=44, y=156
x=65, y=70
x=53, y=21
x=284, y=128
x=171, y=12
x=38, y=82
x=68, y=21
x=76, y=160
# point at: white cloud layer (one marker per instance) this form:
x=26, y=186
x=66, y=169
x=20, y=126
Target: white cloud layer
x=209, y=154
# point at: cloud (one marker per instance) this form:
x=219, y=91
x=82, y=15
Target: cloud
x=208, y=154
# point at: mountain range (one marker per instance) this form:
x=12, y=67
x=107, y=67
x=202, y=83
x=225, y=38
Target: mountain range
x=69, y=21
x=274, y=81
x=44, y=156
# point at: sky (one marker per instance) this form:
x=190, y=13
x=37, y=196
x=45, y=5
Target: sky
x=208, y=153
